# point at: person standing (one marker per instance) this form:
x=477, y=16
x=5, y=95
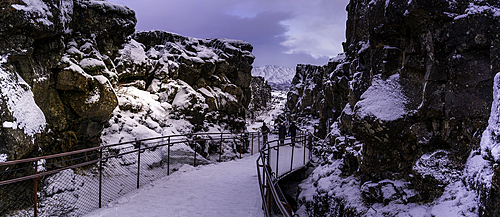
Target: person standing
x=293, y=132
x=282, y=133
x=265, y=131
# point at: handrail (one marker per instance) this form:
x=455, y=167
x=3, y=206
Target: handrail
x=111, y=152
x=268, y=179
x=101, y=147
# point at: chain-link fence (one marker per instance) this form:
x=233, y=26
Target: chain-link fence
x=75, y=183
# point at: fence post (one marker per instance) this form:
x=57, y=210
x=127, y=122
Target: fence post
x=304, y=147
x=258, y=141
x=36, y=190
x=278, y=157
x=195, y=146
x=252, y=143
x=291, y=163
x=220, y=148
x=269, y=193
x=100, y=177
x=138, y=144
x=168, y=157
x=241, y=140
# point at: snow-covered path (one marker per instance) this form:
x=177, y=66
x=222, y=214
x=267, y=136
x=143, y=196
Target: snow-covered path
x=224, y=189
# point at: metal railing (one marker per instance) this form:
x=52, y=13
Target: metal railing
x=273, y=200
x=77, y=182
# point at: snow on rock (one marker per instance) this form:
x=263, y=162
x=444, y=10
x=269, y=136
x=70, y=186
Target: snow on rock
x=110, y=6
x=479, y=9
x=327, y=191
x=490, y=144
x=20, y=103
x=439, y=166
x=185, y=97
x=36, y=11
x=131, y=57
x=383, y=100
x=66, y=8
x=3, y=157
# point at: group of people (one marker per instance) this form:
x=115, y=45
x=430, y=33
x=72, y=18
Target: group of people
x=292, y=131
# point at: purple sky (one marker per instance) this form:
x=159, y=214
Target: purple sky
x=284, y=32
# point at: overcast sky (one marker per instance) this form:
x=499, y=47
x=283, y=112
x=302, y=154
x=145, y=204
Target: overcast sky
x=282, y=32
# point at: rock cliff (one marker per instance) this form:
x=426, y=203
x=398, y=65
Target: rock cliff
x=409, y=101
x=70, y=68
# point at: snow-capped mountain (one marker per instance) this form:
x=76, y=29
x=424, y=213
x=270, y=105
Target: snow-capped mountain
x=277, y=76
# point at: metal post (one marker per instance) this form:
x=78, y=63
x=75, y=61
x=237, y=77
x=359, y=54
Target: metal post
x=36, y=190
x=304, y=147
x=268, y=157
x=277, y=158
x=241, y=140
x=258, y=141
x=168, y=157
x=138, y=161
x=252, y=143
x=310, y=145
x=220, y=148
x=100, y=177
x=195, y=146
x=268, y=194
x=291, y=163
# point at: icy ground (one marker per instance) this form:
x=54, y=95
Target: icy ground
x=224, y=189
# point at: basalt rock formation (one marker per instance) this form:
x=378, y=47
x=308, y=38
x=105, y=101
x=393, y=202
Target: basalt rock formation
x=63, y=64
x=410, y=98
x=261, y=94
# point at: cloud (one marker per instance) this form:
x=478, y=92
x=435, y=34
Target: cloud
x=282, y=32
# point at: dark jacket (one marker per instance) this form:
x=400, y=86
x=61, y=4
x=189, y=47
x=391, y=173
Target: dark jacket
x=265, y=129
x=282, y=131
x=292, y=130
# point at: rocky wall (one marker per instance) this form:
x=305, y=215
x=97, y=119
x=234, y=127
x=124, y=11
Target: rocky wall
x=419, y=87
x=63, y=62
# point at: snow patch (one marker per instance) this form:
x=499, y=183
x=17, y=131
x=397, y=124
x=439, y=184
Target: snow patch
x=439, y=166
x=20, y=102
x=66, y=9
x=109, y=6
x=93, y=96
x=3, y=157
x=490, y=144
x=476, y=9
x=36, y=11
x=384, y=99
x=134, y=51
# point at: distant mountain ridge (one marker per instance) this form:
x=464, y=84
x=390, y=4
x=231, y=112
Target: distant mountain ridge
x=276, y=76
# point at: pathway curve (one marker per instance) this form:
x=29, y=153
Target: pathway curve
x=223, y=189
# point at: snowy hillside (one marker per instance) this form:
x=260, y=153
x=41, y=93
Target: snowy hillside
x=277, y=76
